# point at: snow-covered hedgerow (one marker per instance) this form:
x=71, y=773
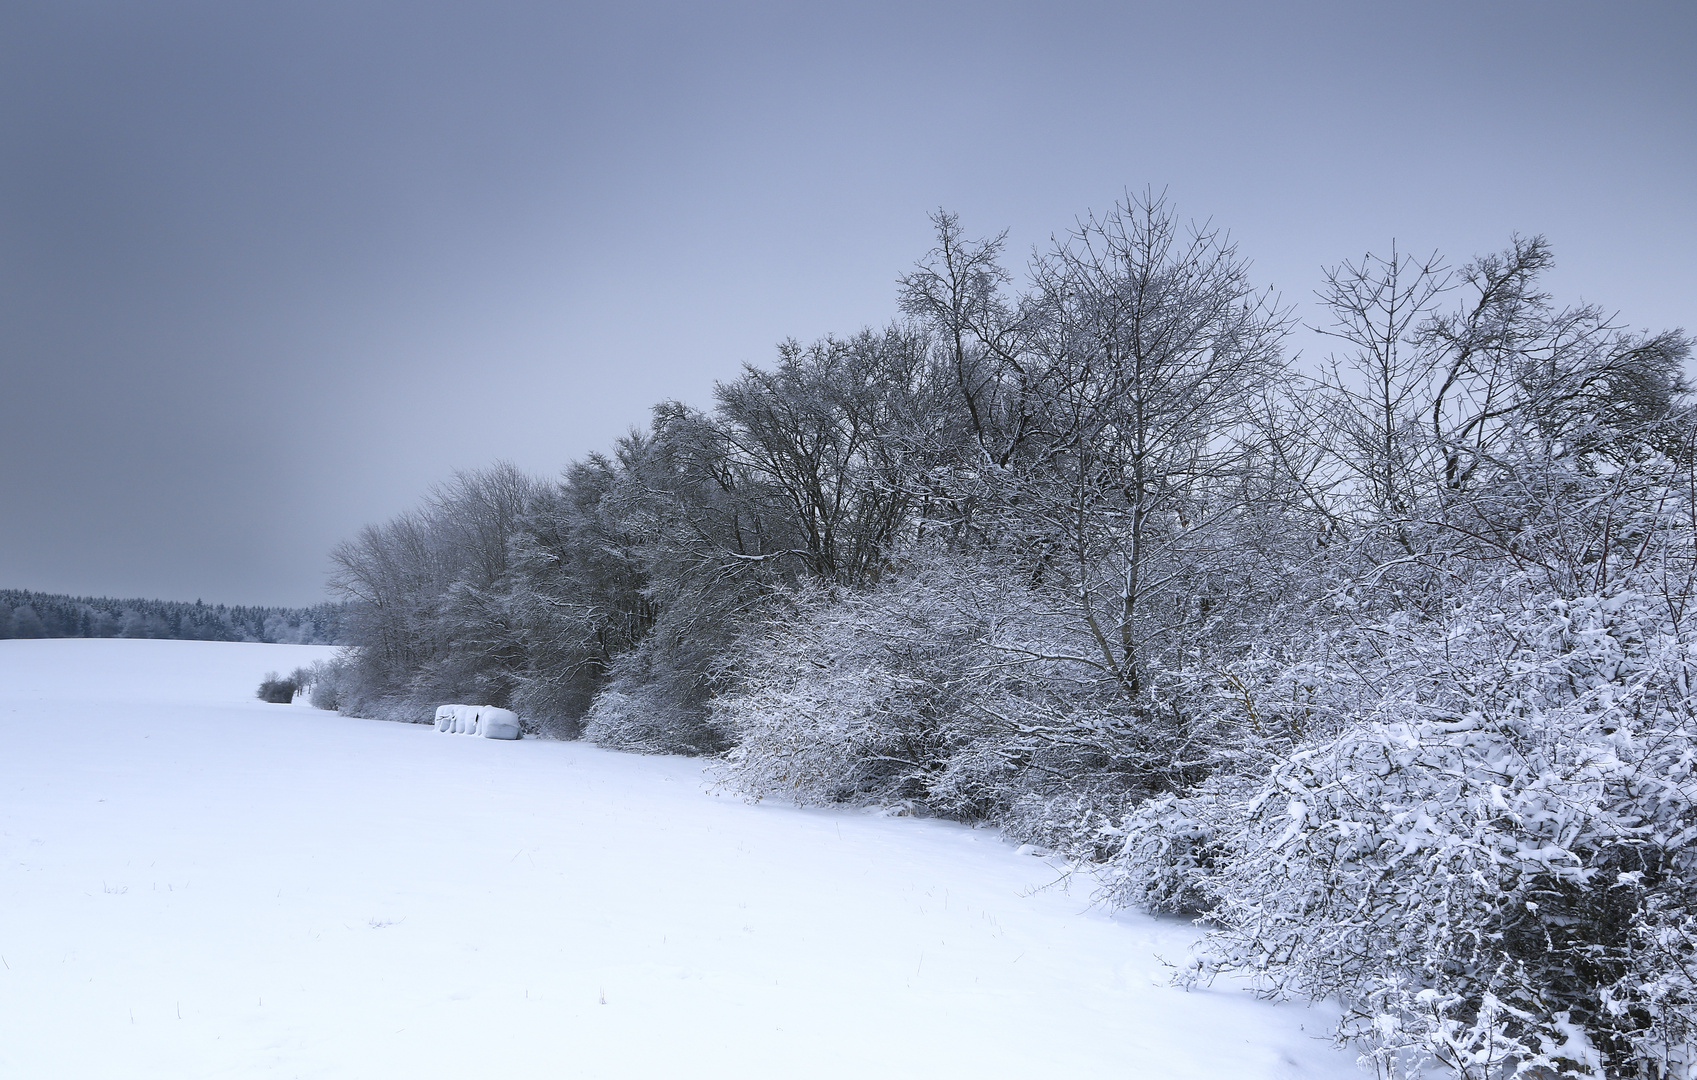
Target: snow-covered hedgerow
x=954, y=687
x=1493, y=865
x=870, y=698
x=944, y=690
x=655, y=698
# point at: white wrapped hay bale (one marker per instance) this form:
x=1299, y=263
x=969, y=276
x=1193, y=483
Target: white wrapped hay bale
x=457, y=719
x=445, y=715
x=493, y=723
x=485, y=720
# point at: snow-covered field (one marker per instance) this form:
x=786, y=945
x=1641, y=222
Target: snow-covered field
x=194, y=883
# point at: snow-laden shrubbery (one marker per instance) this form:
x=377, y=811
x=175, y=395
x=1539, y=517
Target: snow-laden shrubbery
x=881, y=697
x=655, y=700
x=954, y=688
x=1492, y=863
x=644, y=721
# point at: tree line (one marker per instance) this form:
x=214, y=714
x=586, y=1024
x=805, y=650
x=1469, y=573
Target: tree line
x=1385, y=667
x=25, y=614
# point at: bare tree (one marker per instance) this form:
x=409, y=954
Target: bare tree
x=428, y=594
x=983, y=336
x=1158, y=351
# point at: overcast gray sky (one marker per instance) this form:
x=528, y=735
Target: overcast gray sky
x=270, y=270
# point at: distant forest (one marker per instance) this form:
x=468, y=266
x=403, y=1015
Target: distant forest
x=25, y=614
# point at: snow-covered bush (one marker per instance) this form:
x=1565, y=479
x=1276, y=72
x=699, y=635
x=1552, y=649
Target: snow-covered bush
x=1167, y=851
x=1492, y=864
x=655, y=700
x=645, y=721
x=1472, y=818
x=1247, y=714
x=324, y=683
x=872, y=698
x=952, y=687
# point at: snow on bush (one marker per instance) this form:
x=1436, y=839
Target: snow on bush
x=851, y=698
x=895, y=696
x=655, y=697
x=324, y=683
x=644, y=720
x=948, y=689
x=1492, y=864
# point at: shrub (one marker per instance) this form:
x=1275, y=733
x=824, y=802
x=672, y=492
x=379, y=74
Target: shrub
x=322, y=683
x=1491, y=864
x=942, y=690
x=278, y=690
x=657, y=696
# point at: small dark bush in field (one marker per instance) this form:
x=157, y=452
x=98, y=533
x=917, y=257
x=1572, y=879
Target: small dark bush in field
x=278, y=690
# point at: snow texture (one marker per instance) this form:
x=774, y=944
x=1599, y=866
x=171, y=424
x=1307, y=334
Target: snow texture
x=199, y=884
x=484, y=720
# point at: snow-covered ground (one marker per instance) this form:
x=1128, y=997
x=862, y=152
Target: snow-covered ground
x=195, y=883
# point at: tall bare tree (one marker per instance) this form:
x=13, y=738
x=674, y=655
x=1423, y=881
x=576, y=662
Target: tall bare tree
x=1157, y=351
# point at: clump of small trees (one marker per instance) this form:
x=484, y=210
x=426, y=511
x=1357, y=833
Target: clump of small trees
x=278, y=689
x=1385, y=668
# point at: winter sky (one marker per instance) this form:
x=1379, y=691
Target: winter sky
x=270, y=270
